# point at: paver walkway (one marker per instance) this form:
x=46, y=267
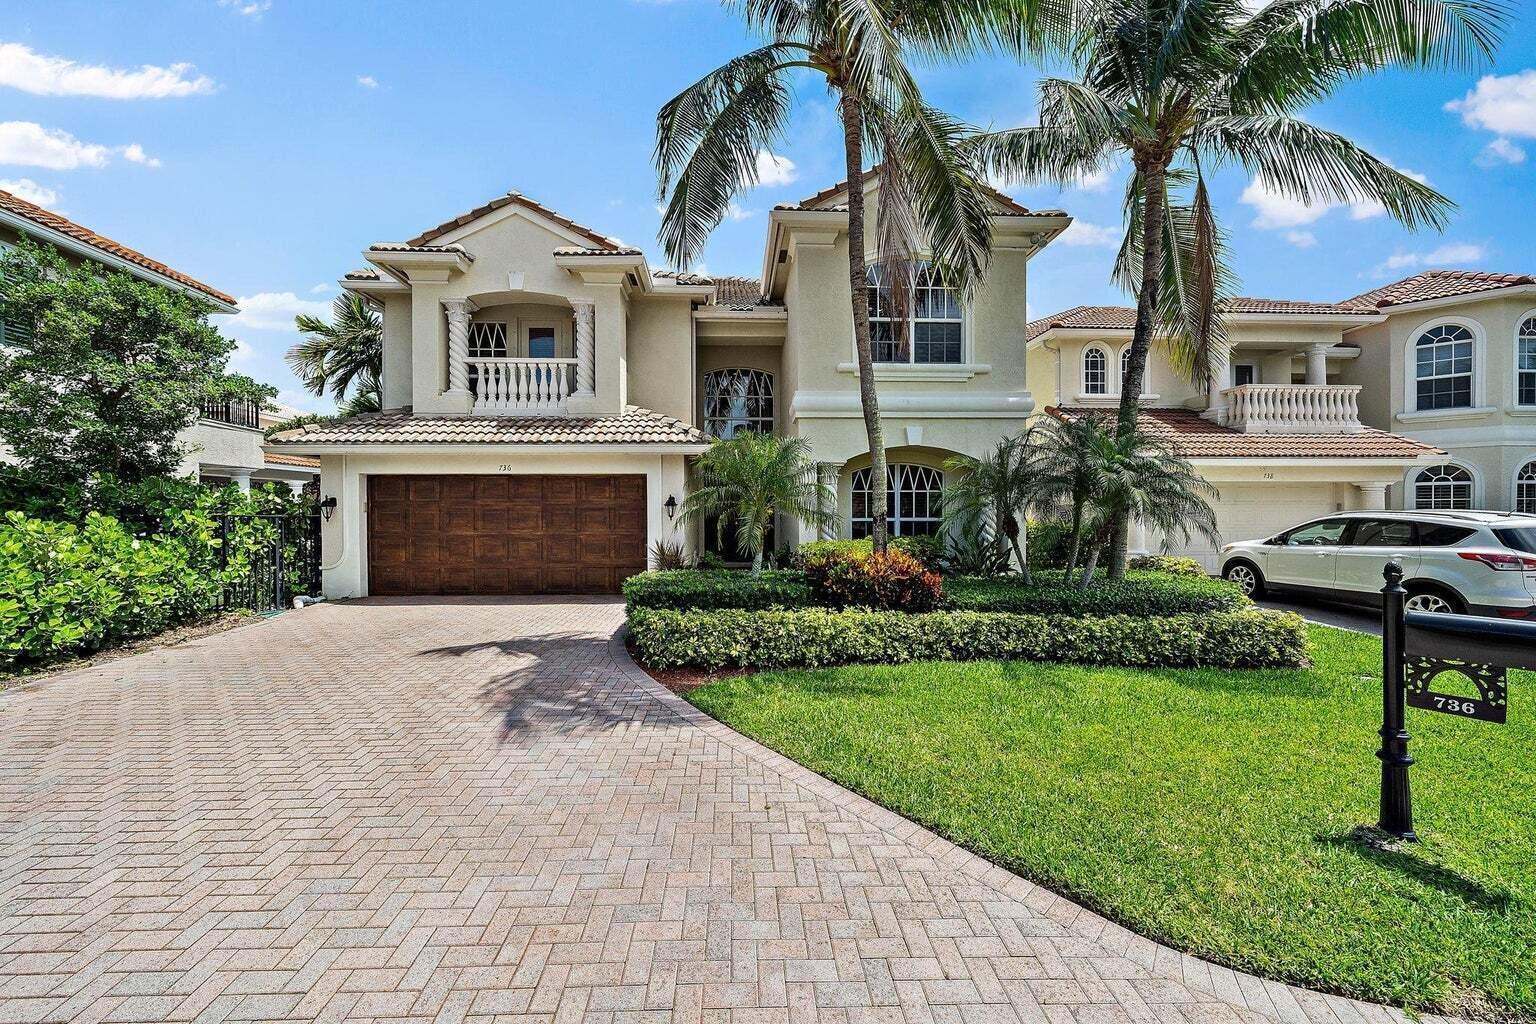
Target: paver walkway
x=482, y=810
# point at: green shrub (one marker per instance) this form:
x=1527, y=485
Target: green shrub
x=928, y=550
x=815, y=637
x=1173, y=565
x=894, y=581
x=717, y=588
x=1050, y=540
x=1051, y=593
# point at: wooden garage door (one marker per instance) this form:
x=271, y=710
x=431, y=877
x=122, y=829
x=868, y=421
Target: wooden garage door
x=504, y=534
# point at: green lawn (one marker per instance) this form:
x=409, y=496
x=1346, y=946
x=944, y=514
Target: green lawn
x=1218, y=811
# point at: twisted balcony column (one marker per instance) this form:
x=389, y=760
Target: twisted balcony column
x=458, y=311
x=826, y=475
x=586, y=340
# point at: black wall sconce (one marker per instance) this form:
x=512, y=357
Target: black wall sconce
x=671, y=506
x=328, y=507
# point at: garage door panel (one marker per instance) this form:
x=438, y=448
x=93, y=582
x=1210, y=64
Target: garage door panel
x=514, y=534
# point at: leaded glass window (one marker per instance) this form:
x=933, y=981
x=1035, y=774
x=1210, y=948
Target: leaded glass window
x=736, y=400
x=913, y=502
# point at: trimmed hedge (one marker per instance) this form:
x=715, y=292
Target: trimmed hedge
x=706, y=589
x=815, y=637
x=928, y=550
x=1140, y=593
x=1174, y=565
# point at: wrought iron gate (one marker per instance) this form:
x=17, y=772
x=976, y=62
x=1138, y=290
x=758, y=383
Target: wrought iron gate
x=269, y=560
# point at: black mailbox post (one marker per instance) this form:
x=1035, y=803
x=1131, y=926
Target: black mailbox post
x=1416, y=648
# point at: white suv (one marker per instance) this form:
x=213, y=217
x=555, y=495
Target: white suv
x=1482, y=563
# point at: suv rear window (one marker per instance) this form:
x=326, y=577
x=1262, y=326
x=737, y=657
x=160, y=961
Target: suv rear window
x=1439, y=535
x=1521, y=538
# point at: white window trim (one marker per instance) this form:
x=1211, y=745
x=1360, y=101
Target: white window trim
x=525, y=324
x=1111, y=375
x=1479, y=368
x=963, y=370
x=1514, y=484
x=1514, y=361
x=1411, y=479
x=1117, y=380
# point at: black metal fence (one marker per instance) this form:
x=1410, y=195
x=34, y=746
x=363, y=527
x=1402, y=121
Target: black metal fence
x=274, y=559
x=239, y=412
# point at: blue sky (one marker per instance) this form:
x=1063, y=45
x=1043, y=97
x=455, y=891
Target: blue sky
x=260, y=145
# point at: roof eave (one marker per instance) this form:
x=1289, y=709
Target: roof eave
x=1443, y=301
x=317, y=448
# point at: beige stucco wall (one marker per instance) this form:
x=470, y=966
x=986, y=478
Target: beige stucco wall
x=221, y=445
x=661, y=355
x=344, y=538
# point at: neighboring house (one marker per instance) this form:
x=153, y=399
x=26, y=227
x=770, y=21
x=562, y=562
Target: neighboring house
x=543, y=387
x=1280, y=435
x=226, y=442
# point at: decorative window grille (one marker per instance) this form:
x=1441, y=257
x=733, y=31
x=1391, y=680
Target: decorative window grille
x=737, y=400
x=1095, y=371
x=914, y=501
x=1525, y=489
x=930, y=330
x=487, y=339
x=1525, y=367
x=1443, y=370
x=1443, y=487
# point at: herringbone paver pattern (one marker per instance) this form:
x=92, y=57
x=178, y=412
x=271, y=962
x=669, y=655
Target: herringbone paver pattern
x=480, y=810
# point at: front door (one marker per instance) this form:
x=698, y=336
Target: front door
x=1306, y=556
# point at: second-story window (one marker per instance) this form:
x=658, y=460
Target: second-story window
x=737, y=400
x=487, y=339
x=1095, y=371
x=1443, y=367
x=929, y=330
x=1525, y=362
x=1125, y=370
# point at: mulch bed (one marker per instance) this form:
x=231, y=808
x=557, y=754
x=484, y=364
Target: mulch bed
x=681, y=680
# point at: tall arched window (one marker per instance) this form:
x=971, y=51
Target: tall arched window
x=1525, y=362
x=1525, y=489
x=736, y=400
x=1443, y=487
x=1125, y=370
x=1095, y=371
x=914, y=500
x=930, y=328
x=1443, y=367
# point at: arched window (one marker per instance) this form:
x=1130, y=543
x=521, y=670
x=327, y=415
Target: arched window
x=1125, y=369
x=736, y=400
x=1443, y=367
x=1525, y=489
x=1525, y=362
x=1443, y=487
x=1095, y=371
x=928, y=330
x=914, y=499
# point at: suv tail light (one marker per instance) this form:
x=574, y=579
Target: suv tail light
x=1501, y=560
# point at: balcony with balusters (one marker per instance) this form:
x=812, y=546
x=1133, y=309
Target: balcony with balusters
x=1313, y=407
x=484, y=362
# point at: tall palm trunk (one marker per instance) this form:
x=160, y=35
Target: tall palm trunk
x=1153, y=215
x=853, y=153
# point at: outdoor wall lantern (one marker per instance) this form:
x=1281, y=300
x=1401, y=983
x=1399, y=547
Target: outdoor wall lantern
x=671, y=505
x=328, y=507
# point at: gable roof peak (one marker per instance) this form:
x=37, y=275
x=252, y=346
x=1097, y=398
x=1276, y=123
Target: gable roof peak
x=822, y=200
x=513, y=197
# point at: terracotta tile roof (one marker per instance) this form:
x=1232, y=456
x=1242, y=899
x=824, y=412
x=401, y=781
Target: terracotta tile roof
x=1196, y=438
x=281, y=459
x=579, y=250
x=739, y=291
x=633, y=426
x=601, y=241
x=64, y=226
x=819, y=201
x=1123, y=318
x=365, y=274
x=682, y=277
x=458, y=250
x=1438, y=284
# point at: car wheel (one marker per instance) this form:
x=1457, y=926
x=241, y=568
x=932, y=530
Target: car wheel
x=1430, y=599
x=1247, y=577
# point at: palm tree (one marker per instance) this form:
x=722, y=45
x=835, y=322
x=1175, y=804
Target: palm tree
x=749, y=479
x=997, y=490
x=346, y=355
x=1179, y=86
x=709, y=136
x=1068, y=475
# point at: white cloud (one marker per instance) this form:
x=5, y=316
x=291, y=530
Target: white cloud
x=367, y=81
x=1452, y=254
x=1301, y=239
x=736, y=213
x=274, y=311
x=22, y=68
x=31, y=191
x=1080, y=232
x=1277, y=211
x=248, y=8
x=1505, y=104
x=1500, y=151
x=320, y=289
x=775, y=170
x=29, y=144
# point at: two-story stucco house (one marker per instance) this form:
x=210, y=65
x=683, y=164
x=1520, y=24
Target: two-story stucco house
x=543, y=387
x=227, y=441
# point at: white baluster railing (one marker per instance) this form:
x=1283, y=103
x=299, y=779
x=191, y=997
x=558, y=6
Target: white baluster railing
x=1293, y=408
x=521, y=387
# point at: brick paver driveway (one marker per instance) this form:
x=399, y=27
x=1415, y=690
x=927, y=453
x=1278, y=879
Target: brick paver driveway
x=480, y=809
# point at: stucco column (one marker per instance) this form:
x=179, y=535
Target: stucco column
x=458, y=346
x=1317, y=363
x=242, y=481
x=1221, y=379
x=586, y=313
x=826, y=475
x=297, y=487
x=1373, y=495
